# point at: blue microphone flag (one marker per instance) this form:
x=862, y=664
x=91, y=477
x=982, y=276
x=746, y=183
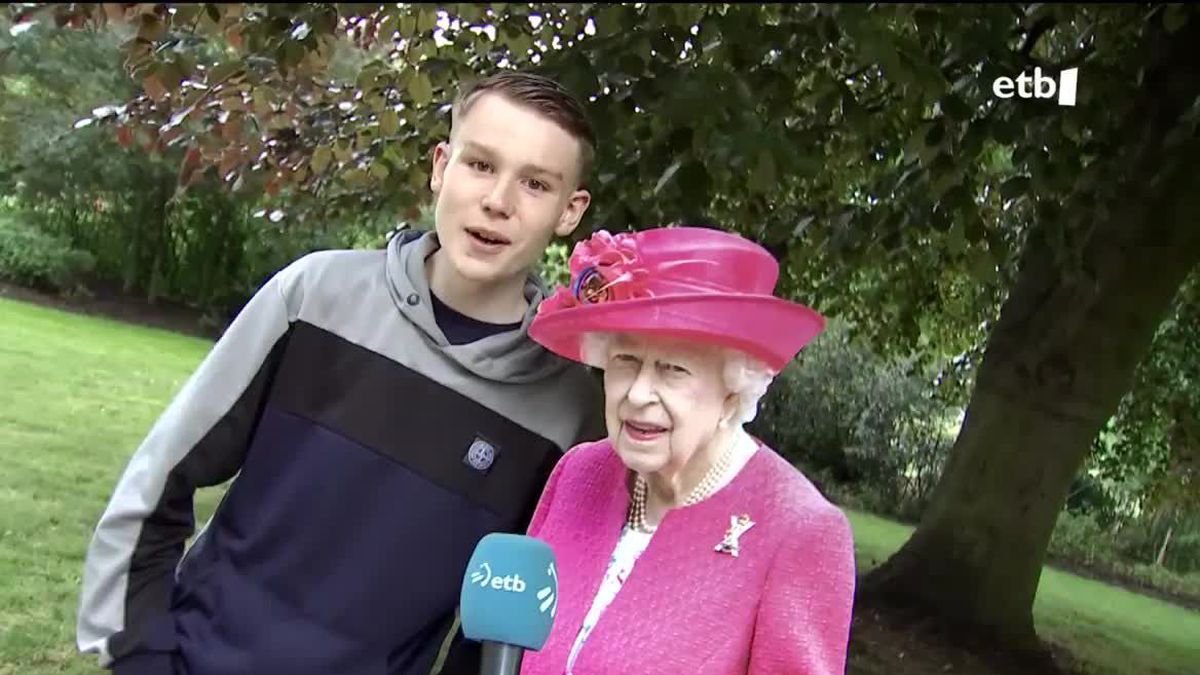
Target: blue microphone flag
x=510, y=591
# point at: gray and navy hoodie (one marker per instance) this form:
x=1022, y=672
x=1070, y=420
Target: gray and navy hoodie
x=370, y=457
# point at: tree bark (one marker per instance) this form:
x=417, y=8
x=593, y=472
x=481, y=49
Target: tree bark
x=1162, y=551
x=1058, y=361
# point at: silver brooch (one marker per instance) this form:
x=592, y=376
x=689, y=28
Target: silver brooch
x=738, y=525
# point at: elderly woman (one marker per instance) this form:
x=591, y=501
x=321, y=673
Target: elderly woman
x=684, y=545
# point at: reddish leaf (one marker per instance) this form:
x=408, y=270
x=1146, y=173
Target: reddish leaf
x=154, y=146
x=154, y=87
x=189, y=168
x=368, y=29
x=229, y=161
x=234, y=36
x=124, y=136
x=231, y=131
x=151, y=29
x=171, y=134
x=192, y=157
x=233, y=102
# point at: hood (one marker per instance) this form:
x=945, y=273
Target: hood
x=511, y=356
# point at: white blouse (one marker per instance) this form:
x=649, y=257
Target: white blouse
x=629, y=547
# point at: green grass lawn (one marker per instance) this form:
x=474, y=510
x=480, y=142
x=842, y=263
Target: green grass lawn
x=1111, y=630
x=79, y=393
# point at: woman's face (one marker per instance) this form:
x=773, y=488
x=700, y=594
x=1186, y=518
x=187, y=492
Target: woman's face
x=664, y=400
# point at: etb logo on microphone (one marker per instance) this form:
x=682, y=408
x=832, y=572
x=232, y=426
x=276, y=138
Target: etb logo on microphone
x=1038, y=85
x=548, y=596
x=513, y=583
x=484, y=577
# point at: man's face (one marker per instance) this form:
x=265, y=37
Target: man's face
x=505, y=184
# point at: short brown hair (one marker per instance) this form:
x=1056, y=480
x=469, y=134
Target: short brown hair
x=543, y=95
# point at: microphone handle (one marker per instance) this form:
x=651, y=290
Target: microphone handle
x=501, y=659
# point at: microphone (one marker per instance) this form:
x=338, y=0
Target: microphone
x=509, y=599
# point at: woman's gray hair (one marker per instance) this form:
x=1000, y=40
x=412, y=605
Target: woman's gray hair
x=745, y=375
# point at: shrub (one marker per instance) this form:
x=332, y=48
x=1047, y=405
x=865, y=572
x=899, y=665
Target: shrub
x=863, y=422
x=1079, y=538
x=33, y=258
x=1083, y=544
x=1142, y=541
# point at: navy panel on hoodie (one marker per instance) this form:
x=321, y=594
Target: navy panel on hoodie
x=319, y=561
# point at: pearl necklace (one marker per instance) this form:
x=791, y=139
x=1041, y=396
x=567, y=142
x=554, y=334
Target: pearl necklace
x=637, y=511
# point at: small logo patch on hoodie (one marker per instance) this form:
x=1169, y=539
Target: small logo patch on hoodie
x=481, y=455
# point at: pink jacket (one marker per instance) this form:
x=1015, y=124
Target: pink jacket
x=782, y=607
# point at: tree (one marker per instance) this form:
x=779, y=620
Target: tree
x=1157, y=426
x=862, y=144
x=68, y=177
x=1062, y=355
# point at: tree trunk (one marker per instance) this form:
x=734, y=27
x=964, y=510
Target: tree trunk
x=160, y=246
x=1162, y=551
x=1058, y=361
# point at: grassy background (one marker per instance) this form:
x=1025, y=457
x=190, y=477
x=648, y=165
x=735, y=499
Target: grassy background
x=79, y=393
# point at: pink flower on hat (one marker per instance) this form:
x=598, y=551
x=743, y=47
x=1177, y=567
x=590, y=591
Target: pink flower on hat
x=603, y=267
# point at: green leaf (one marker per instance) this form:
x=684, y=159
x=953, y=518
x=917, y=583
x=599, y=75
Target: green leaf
x=1015, y=188
x=420, y=89
x=1174, y=17
x=408, y=26
x=519, y=42
x=955, y=108
x=762, y=180
x=806, y=164
x=388, y=27
x=936, y=134
x=956, y=239
x=262, y=105
x=982, y=267
x=1007, y=131
x=662, y=43
x=389, y=122
x=975, y=230
x=695, y=183
x=427, y=20
x=959, y=198
x=607, y=20
x=321, y=158
x=470, y=11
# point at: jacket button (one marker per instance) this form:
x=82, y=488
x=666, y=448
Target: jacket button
x=413, y=299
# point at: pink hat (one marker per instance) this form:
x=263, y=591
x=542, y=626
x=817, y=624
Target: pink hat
x=684, y=282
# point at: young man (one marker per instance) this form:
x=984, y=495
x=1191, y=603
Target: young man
x=383, y=411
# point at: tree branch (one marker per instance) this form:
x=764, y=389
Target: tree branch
x=1073, y=61
x=1035, y=33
